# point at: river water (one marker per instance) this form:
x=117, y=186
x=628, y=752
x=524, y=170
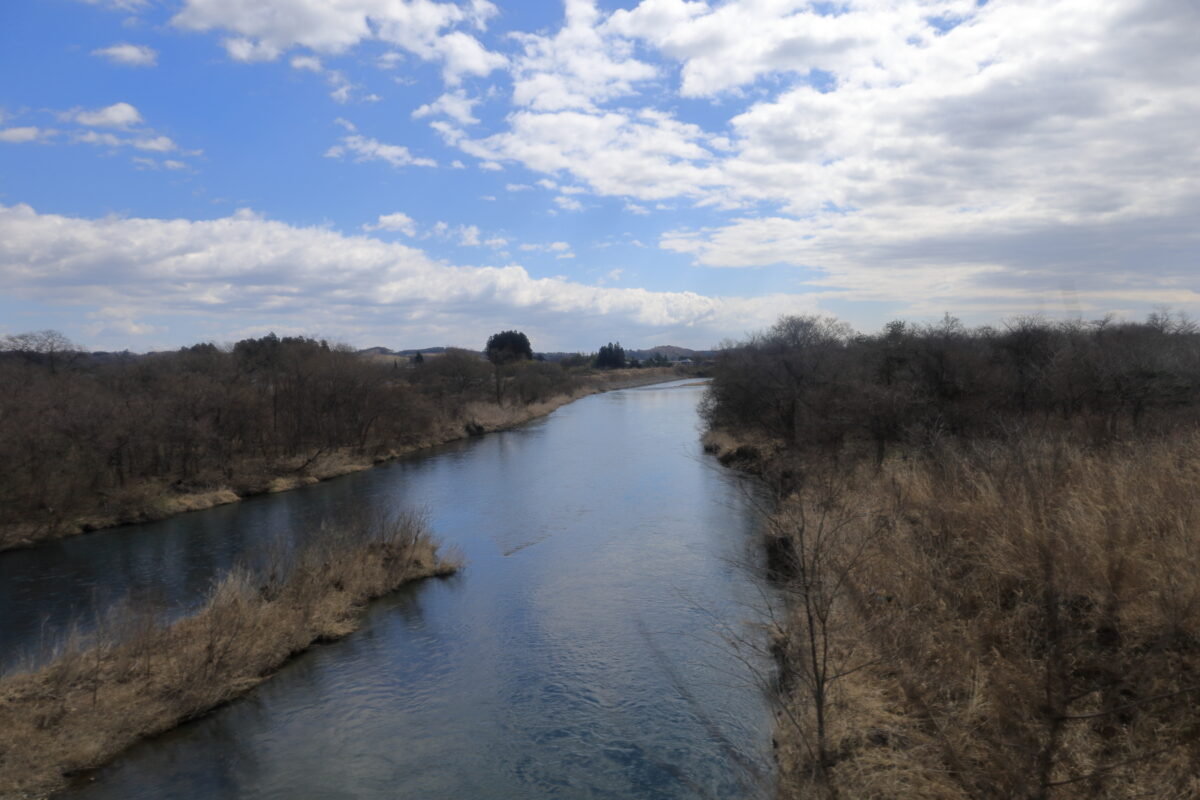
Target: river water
x=588, y=650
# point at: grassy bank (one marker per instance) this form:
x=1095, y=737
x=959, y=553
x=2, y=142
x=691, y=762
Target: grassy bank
x=986, y=544
x=158, y=498
x=137, y=677
x=1001, y=620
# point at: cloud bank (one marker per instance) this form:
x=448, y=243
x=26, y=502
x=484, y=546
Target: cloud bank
x=244, y=272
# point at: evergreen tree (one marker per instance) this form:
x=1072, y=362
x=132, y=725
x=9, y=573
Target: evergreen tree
x=611, y=356
x=508, y=346
x=505, y=348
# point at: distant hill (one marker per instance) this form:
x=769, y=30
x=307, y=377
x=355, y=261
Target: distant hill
x=383, y=351
x=668, y=351
x=385, y=354
x=376, y=351
x=557, y=356
x=671, y=353
x=425, y=351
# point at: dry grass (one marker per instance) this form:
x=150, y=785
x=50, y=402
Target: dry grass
x=1013, y=619
x=198, y=501
x=491, y=417
x=749, y=452
x=137, y=677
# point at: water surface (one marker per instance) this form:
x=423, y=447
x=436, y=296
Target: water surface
x=581, y=654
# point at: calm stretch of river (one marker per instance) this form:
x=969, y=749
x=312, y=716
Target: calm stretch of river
x=580, y=654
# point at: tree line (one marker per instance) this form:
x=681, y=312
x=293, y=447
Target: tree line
x=79, y=430
x=815, y=382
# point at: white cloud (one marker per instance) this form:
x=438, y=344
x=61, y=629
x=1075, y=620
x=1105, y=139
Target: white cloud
x=389, y=60
x=159, y=144
x=342, y=87
x=150, y=163
x=971, y=148
x=884, y=148
x=568, y=203
x=398, y=221
x=121, y=321
x=156, y=144
x=468, y=235
x=27, y=133
x=1020, y=150
x=118, y=115
x=129, y=55
x=464, y=55
x=365, y=149
x=550, y=247
x=245, y=270
x=98, y=138
x=648, y=155
x=576, y=68
x=263, y=30
x=455, y=105
x=310, y=63
x=246, y=50
x=120, y=5
x=464, y=235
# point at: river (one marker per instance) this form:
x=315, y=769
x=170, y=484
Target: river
x=588, y=649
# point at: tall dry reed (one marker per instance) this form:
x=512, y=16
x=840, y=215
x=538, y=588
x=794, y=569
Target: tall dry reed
x=1012, y=618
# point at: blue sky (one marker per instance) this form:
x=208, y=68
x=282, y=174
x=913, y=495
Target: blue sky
x=410, y=173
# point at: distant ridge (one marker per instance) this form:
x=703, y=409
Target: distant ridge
x=383, y=351
x=668, y=351
x=671, y=353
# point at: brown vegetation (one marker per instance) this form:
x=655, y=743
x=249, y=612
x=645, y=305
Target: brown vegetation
x=94, y=441
x=987, y=545
x=136, y=677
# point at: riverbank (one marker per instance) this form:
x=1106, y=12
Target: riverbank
x=991, y=620
x=136, y=678
x=985, y=545
x=150, y=501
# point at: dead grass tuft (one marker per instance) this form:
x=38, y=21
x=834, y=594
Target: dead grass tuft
x=137, y=677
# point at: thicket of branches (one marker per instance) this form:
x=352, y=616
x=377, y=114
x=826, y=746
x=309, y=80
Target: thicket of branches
x=987, y=542
x=78, y=430
x=813, y=382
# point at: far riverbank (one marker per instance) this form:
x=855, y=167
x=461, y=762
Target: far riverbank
x=157, y=502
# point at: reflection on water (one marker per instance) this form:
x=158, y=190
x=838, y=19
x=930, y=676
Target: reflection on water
x=576, y=656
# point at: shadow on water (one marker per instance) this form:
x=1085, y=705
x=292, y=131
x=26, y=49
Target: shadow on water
x=570, y=658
